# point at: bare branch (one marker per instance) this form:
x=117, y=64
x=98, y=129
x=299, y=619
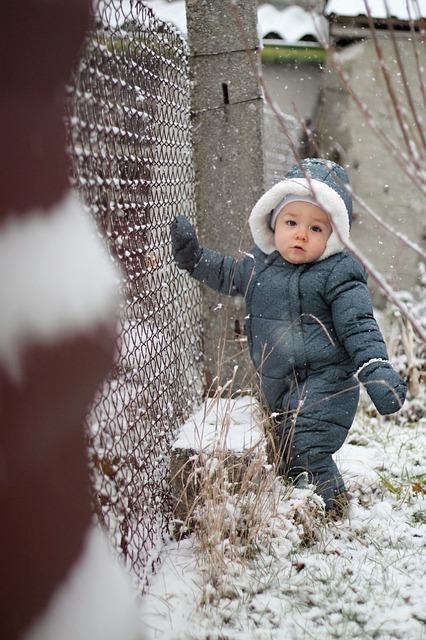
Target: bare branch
x=400, y=236
x=401, y=158
x=386, y=288
x=389, y=87
x=407, y=90
x=416, y=53
x=409, y=243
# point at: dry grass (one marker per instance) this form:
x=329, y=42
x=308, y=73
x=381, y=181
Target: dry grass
x=235, y=503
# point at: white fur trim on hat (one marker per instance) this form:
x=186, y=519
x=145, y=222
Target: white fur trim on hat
x=326, y=197
x=284, y=202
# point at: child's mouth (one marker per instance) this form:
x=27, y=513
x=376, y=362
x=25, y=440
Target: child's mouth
x=297, y=248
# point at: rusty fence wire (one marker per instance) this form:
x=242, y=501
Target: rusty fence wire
x=130, y=146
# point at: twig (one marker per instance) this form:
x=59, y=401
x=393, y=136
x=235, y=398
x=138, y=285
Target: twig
x=390, y=293
x=405, y=82
x=401, y=159
x=391, y=93
x=409, y=243
x=416, y=53
x=400, y=236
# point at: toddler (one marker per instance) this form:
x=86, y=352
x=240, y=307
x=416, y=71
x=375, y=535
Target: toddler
x=311, y=332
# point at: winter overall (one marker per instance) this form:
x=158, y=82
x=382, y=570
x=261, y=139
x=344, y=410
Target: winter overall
x=310, y=327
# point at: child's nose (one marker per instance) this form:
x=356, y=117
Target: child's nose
x=301, y=232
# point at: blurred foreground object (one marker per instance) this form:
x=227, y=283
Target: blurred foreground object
x=58, y=292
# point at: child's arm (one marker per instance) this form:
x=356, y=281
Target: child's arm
x=221, y=273
x=356, y=328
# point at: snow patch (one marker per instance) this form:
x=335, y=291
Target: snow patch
x=177, y=581
x=232, y=422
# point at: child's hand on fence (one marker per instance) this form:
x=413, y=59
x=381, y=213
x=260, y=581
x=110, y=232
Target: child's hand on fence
x=385, y=387
x=186, y=249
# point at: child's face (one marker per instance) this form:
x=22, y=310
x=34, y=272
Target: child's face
x=301, y=232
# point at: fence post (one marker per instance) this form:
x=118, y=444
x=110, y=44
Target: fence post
x=227, y=113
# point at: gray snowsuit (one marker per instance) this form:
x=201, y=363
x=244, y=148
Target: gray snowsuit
x=310, y=329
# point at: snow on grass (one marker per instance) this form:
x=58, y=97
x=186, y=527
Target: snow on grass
x=362, y=576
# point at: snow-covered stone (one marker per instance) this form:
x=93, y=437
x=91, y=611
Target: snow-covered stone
x=223, y=433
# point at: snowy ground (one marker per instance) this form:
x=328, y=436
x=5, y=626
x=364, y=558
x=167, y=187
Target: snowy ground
x=363, y=576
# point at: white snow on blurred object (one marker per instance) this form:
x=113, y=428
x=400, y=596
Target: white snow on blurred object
x=291, y=24
x=397, y=8
x=235, y=423
x=56, y=278
x=95, y=602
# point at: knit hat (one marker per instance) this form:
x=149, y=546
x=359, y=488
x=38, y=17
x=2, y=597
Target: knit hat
x=323, y=181
x=286, y=200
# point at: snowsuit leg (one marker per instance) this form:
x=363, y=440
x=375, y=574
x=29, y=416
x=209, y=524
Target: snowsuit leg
x=309, y=447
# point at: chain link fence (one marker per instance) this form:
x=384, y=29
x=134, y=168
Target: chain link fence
x=130, y=145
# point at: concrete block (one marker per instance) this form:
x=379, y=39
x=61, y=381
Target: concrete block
x=216, y=450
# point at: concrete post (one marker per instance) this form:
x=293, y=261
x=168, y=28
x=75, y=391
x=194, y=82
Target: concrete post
x=227, y=112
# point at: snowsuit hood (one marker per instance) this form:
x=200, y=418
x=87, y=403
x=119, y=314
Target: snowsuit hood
x=323, y=180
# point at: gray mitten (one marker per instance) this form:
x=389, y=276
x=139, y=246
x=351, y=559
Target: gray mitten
x=384, y=386
x=186, y=250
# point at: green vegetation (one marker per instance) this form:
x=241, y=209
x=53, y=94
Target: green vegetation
x=404, y=487
x=278, y=54
x=419, y=517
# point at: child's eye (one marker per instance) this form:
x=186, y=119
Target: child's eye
x=290, y=223
x=316, y=229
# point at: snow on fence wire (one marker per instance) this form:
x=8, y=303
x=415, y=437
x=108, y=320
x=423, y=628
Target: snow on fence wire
x=130, y=145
